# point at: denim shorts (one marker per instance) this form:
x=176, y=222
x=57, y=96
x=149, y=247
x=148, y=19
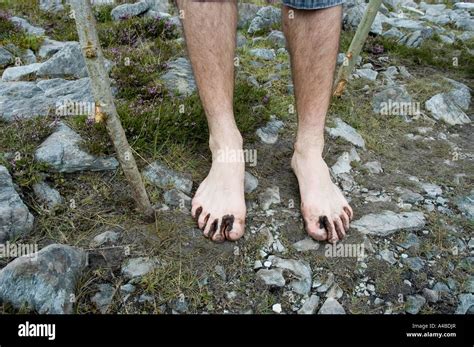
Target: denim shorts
x=311, y=4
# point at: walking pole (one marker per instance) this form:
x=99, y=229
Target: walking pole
x=356, y=46
x=105, y=109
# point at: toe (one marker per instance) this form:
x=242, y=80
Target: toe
x=202, y=220
x=218, y=235
x=338, y=225
x=349, y=212
x=234, y=227
x=315, y=230
x=345, y=221
x=331, y=230
x=196, y=210
x=211, y=227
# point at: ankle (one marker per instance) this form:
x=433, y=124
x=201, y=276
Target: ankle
x=308, y=147
x=225, y=139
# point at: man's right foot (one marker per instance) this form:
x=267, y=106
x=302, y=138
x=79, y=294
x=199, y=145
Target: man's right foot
x=219, y=203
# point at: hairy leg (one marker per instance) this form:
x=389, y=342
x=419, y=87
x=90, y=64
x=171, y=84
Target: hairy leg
x=210, y=32
x=313, y=42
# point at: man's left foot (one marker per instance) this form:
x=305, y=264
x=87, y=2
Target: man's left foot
x=325, y=210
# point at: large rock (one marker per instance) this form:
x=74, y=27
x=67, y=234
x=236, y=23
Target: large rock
x=61, y=150
x=466, y=205
x=353, y=16
x=6, y=58
x=331, y=306
x=466, y=304
x=15, y=219
x=51, y=5
x=271, y=277
x=346, y=132
x=247, y=12
x=26, y=26
x=299, y=270
x=388, y=222
x=21, y=73
x=310, y=305
x=67, y=62
x=162, y=176
x=49, y=47
x=265, y=18
x=126, y=11
x=179, y=77
x=159, y=5
x=402, y=23
x=268, y=134
x=449, y=107
x=45, y=281
x=414, y=303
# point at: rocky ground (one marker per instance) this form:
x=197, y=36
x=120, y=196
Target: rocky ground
x=399, y=145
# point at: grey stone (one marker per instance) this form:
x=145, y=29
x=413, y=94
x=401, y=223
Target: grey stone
x=268, y=134
x=162, y=176
x=28, y=57
x=393, y=33
x=331, y=306
x=241, y=40
x=466, y=205
x=177, y=198
x=466, y=303
x=265, y=18
x=368, y=74
x=430, y=295
x=126, y=11
x=108, y=237
x=138, y=267
x=324, y=287
x=310, y=305
x=464, y=6
x=388, y=256
x=20, y=73
x=271, y=277
x=180, y=305
x=247, y=12
x=277, y=38
x=431, y=189
x=390, y=100
x=441, y=287
x=346, y=132
x=26, y=26
x=158, y=5
x=67, y=62
x=6, y=58
x=62, y=152
x=15, y=218
x=409, y=196
x=414, y=303
x=443, y=108
x=402, y=23
x=373, y=167
x=51, y=5
x=263, y=53
x=300, y=271
x=353, y=17
x=466, y=36
x=179, y=77
x=388, y=222
x=307, y=244
x=250, y=182
x=45, y=281
x=465, y=24
x=103, y=298
x=49, y=47
x=268, y=197
x=411, y=241
x=415, y=263
x=334, y=292
x=50, y=197
x=343, y=163
x=127, y=288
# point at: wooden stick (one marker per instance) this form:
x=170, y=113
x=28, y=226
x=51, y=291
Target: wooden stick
x=356, y=46
x=105, y=107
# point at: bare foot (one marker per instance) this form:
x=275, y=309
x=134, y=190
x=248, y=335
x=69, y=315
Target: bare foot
x=219, y=203
x=325, y=211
